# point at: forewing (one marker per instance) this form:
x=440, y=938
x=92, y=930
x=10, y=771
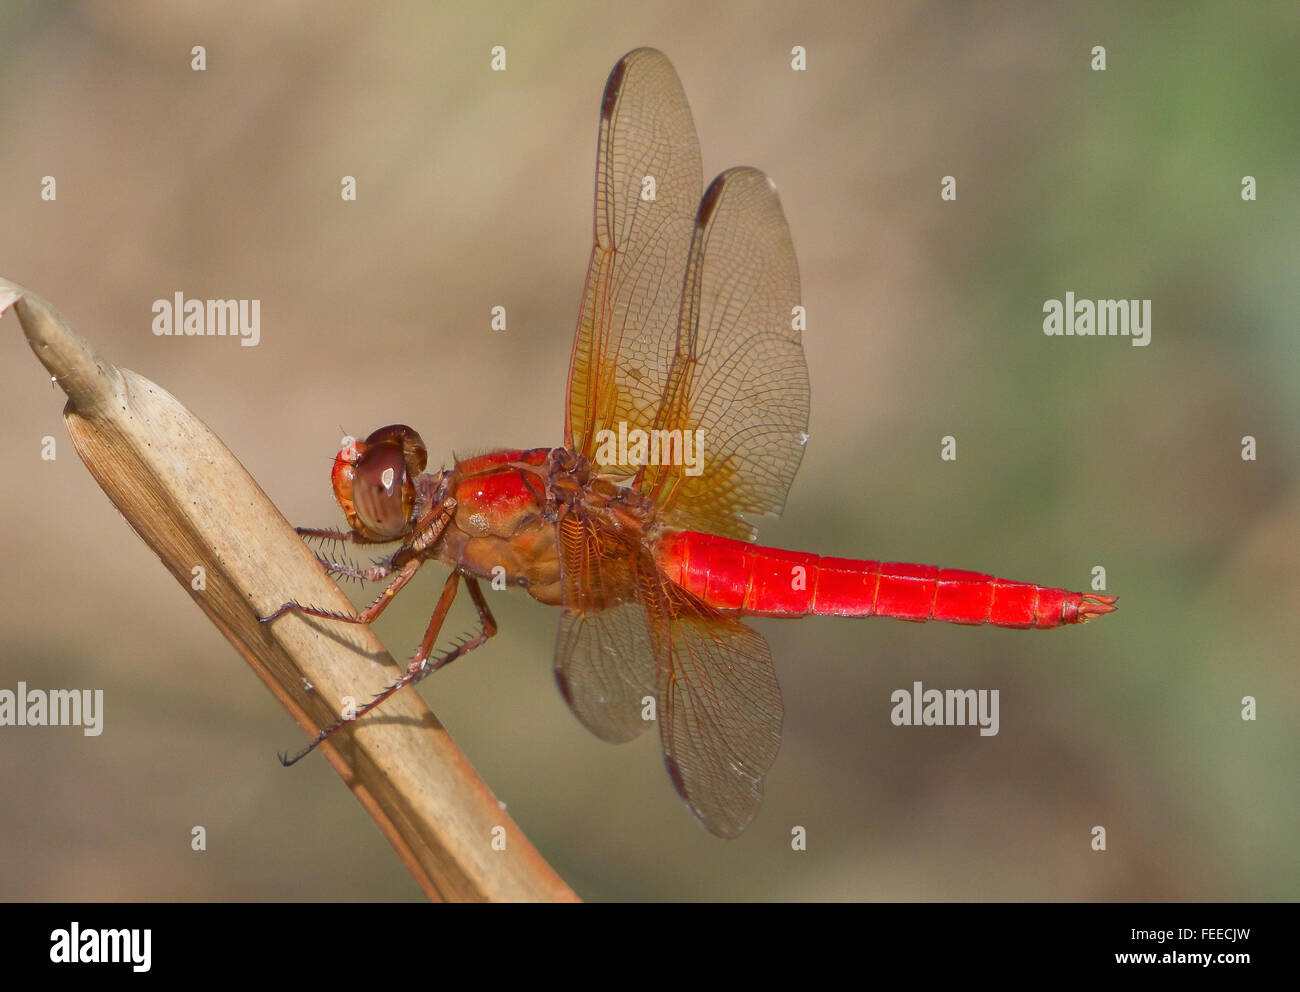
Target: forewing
x=719, y=717
x=648, y=184
x=738, y=374
x=605, y=660
x=605, y=666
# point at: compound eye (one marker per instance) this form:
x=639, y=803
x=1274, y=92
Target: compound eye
x=409, y=442
x=382, y=491
x=374, y=482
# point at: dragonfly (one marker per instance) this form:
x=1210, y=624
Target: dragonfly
x=687, y=418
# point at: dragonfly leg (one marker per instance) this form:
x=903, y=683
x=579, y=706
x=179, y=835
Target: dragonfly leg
x=346, y=570
x=326, y=533
x=487, y=628
x=419, y=666
x=370, y=613
x=425, y=533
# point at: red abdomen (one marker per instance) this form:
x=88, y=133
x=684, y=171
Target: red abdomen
x=758, y=581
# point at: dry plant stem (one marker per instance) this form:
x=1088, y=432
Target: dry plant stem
x=195, y=506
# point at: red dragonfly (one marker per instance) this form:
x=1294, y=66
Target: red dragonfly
x=687, y=413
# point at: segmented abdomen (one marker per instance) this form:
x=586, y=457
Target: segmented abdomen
x=759, y=581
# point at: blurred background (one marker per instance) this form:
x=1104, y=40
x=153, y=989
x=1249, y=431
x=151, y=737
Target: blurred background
x=474, y=190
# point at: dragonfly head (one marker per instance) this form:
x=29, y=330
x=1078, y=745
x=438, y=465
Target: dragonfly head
x=374, y=481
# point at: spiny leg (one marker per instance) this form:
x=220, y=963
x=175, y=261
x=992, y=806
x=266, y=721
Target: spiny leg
x=487, y=628
x=330, y=555
x=419, y=666
x=423, y=535
x=371, y=612
x=326, y=533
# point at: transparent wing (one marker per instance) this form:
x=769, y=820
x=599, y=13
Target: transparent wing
x=648, y=184
x=605, y=665
x=720, y=718
x=629, y=632
x=605, y=661
x=738, y=374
